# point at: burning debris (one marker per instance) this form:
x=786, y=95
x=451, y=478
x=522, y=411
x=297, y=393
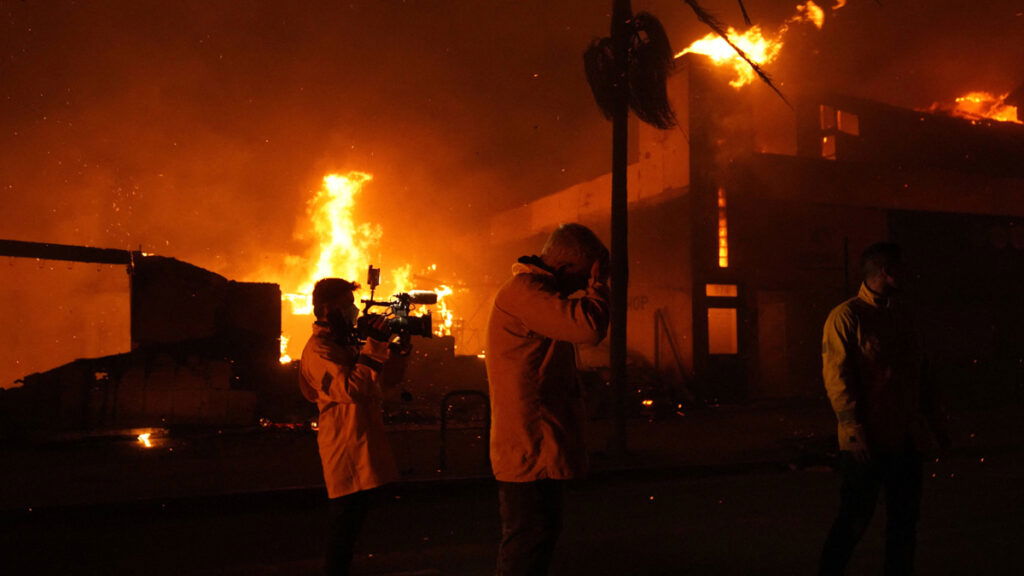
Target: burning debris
x=979, y=105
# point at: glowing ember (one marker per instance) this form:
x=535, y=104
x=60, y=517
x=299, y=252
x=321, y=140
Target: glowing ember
x=758, y=46
x=144, y=439
x=647, y=403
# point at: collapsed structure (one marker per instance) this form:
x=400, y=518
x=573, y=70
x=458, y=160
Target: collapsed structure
x=203, y=352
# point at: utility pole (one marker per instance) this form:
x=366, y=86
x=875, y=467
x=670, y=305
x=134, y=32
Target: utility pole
x=621, y=33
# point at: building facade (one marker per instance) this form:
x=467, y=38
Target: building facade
x=747, y=222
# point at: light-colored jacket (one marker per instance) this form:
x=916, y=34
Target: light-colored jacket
x=872, y=364
x=343, y=381
x=537, y=413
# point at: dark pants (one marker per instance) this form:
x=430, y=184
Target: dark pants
x=531, y=520
x=900, y=476
x=347, y=514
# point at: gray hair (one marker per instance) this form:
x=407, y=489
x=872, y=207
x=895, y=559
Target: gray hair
x=573, y=245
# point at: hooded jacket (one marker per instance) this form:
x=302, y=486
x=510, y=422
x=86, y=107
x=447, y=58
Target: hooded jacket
x=536, y=404
x=873, y=367
x=342, y=380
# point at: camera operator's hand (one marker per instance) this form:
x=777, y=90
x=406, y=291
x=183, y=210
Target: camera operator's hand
x=375, y=326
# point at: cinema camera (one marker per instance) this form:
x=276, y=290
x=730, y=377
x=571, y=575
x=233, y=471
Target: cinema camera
x=397, y=311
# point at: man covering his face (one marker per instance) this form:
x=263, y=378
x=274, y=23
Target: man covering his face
x=551, y=303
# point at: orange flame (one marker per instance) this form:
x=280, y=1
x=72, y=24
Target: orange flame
x=343, y=245
x=285, y=358
x=759, y=47
x=445, y=316
x=983, y=105
x=402, y=278
x=342, y=249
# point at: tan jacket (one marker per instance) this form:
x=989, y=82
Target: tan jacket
x=872, y=364
x=536, y=405
x=354, y=448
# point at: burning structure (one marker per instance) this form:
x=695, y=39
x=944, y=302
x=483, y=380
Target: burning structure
x=747, y=223
x=208, y=351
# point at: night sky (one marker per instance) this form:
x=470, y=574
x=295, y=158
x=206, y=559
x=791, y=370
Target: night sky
x=198, y=129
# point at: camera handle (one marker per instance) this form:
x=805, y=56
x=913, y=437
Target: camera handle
x=401, y=347
x=372, y=280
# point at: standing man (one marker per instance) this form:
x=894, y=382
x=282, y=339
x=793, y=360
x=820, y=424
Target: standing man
x=887, y=413
x=551, y=303
x=341, y=376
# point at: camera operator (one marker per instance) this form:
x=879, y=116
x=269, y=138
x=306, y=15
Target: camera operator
x=551, y=303
x=341, y=376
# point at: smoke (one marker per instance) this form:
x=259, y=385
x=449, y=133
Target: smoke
x=912, y=52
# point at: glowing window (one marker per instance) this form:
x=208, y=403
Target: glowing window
x=721, y=290
x=828, y=147
x=722, y=335
x=723, y=231
x=849, y=123
x=828, y=117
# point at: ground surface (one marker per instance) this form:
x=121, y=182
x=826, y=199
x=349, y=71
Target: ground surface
x=730, y=490
x=753, y=521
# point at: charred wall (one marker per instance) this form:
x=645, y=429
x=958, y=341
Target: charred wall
x=876, y=133
x=795, y=261
x=204, y=352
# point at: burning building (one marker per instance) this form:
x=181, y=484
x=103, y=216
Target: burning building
x=138, y=152
x=747, y=222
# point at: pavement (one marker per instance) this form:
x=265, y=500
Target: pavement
x=209, y=463
x=723, y=490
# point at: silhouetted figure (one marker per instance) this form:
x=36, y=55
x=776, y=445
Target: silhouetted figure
x=341, y=376
x=551, y=303
x=873, y=367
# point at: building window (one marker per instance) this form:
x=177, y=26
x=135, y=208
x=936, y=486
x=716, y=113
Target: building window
x=723, y=231
x=828, y=147
x=722, y=333
x=848, y=123
x=828, y=117
x=834, y=121
x=721, y=290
